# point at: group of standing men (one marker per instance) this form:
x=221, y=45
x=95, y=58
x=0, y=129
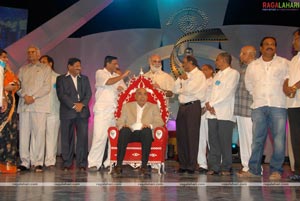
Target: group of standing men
x=256, y=97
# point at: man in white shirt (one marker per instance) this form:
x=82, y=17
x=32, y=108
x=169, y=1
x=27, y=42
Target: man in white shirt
x=108, y=86
x=137, y=121
x=291, y=86
x=191, y=87
x=220, y=106
x=203, y=139
x=242, y=109
x=264, y=80
x=33, y=107
x=52, y=122
x=161, y=79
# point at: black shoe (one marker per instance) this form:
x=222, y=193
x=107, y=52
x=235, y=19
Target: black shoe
x=181, y=171
x=143, y=171
x=202, y=170
x=117, y=171
x=38, y=168
x=190, y=171
x=22, y=168
x=295, y=177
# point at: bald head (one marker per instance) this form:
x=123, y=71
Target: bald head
x=141, y=96
x=155, y=63
x=247, y=54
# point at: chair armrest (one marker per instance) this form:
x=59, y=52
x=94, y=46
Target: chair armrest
x=160, y=134
x=113, y=135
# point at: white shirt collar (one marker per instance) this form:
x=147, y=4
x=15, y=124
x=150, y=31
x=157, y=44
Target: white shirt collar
x=192, y=71
x=68, y=73
x=114, y=74
x=275, y=56
x=140, y=106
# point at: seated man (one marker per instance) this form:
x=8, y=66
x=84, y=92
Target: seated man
x=136, y=123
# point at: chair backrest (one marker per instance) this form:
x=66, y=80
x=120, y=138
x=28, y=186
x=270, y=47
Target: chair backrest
x=155, y=96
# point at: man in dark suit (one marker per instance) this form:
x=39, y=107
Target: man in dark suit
x=74, y=93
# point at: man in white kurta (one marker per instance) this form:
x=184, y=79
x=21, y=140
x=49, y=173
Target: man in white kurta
x=208, y=71
x=220, y=116
x=33, y=107
x=108, y=85
x=52, y=122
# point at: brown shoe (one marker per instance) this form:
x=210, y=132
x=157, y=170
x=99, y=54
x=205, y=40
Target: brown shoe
x=243, y=174
x=225, y=173
x=51, y=167
x=117, y=170
x=211, y=172
x=275, y=176
x=82, y=169
x=38, y=168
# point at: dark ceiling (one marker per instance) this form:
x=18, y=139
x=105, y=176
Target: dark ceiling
x=127, y=14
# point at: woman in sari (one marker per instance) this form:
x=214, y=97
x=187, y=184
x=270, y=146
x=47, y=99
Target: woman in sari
x=8, y=118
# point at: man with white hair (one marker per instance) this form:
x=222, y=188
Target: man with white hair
x=160, y=79
x=33, y=107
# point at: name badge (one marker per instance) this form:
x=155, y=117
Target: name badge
x=218, y=82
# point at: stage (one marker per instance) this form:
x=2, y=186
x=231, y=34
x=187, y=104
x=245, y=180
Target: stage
x=56, y=184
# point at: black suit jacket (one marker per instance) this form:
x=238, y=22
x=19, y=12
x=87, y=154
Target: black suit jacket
x=68, y=95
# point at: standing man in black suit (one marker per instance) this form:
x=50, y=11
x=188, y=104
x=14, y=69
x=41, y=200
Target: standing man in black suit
x=74, y=93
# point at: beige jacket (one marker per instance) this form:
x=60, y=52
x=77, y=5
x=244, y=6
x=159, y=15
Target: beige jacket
x=151, y=115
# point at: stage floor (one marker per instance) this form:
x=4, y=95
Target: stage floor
x=55, y=184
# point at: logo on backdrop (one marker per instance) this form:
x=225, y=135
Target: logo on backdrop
x=189, y=20
x=292, y=5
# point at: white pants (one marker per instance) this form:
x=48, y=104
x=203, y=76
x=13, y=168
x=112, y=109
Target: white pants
x=52, y=129
x=245, y=138
x=102, y=121
x=203, y=143
x=32, y=138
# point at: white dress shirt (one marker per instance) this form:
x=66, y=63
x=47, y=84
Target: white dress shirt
x=294, y=77
x=163, y=79
x=223, y=93
x=106, y=95
x=209, y=85
x=75, y=82
x=264, y=81
x=191, y=89
x=54, y=102
x=138, y=124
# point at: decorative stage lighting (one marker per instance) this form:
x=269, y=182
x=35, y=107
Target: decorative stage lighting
x=188, y=51
x=235, y=153
x=235, y=148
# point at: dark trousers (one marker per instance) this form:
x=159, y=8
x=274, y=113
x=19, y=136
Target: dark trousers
x=126, y=136
x=294, y=121
x=68, y=128
x=187, y=134
x=220, y=139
